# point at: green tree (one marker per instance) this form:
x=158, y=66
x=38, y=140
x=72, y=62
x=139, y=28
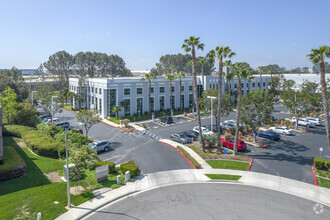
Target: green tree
x=220, y=53
x=240, y=74
x=9, y=105
x=317, y=56
x=25, y=115
x=229, y=76
x=288, y=84
x=257, y=107
x=190, y=45
x=116, y=109
x=19, y=88
x=170, y=77
x=181, y=75
x=261, y=70
x=89, y=118
x=148, y=77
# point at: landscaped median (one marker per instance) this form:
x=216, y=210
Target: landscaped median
x=322, y=172
x=229, y=164
x=189, y=157
x=223, y=177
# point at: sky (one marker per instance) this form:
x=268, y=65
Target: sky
x=261, y=32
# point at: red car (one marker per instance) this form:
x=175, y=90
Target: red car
x=240, y=146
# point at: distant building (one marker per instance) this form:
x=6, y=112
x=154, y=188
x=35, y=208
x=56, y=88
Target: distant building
x=103, y=94
x=28, y=72
x=139, y=72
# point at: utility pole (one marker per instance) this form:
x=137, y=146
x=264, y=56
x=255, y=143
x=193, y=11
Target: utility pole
x=67, y=168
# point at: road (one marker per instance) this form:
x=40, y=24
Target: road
x=150, y=155
x=211, y=201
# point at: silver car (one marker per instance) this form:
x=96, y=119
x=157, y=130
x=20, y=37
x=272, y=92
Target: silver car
x=181, y=138
x=102, y=145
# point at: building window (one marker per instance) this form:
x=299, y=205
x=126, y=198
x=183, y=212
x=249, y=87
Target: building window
x=213, y=86
x=95, y=103
x=247, y=85
x=152, y=103
x=210, y=86
x=172, y=88
x=127, y=107
x=127, y=91
x=161, y=89
x=162, y=103
x=253, y=85
x=100, y=106
x=263, y=84
x=173, y=102
x=258, y=84
x=139, y=105
x=92, y=89
x=190, y=88
x=216, y=86
x=112, y=100
x=152, y=89
x=139, y=91
x=182, y=102
x=242, y=84
x=92, y=100
x=100, y=91
x=182, y=88
x=190, y=100
x=96, y=90
x=235, y=85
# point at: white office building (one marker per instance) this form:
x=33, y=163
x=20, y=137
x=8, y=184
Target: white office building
x=103, y=94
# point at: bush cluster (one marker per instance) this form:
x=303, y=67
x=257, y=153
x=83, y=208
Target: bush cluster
x=112, y=166
x=189, y=157
x=129, y=166
x=327, y=164
x=319, y=163
x=39, y=142
x=12, y=172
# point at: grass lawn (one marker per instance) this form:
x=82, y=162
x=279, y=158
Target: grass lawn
x=69, y=107
x=24, y=197
x=223, y=177
x=228, y=164
x=11, y=159
x=323, y=182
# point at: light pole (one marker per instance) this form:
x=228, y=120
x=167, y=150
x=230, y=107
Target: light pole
x=53, y=107
x=67, y=168
x=211, y=97
x=32, y=96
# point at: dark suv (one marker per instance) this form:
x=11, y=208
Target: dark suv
x=166, y=119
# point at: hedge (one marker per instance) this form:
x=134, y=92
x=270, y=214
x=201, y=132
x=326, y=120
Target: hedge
x=39, y=142
x=327, y=164
x=14, y=165
x=129, y=166
x=319, y=163
x=112, y=168
x=189, y=157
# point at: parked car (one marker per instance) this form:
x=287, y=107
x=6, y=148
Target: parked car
x=303, y=122
x=214, y=127
x=102, y=145
x=281, y=130
x=166, y=119
x=317, y=121
x=44, y=117
x=181, y=138
x=269, y=134
x=233, y=122
x=192, y=134
x=241, y=145
x=226, y=125
x=205, y=131
x=63, y=124
x=54, y=120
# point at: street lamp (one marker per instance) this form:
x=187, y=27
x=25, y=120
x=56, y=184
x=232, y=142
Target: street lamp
x=53, y=107
x=67, y=168
x=32, y=95
x=212, y=98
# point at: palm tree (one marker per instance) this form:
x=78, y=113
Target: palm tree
x=202, y=61
x=228, y=64
x=220, y=53
x=170, y=77
x=260, y=69
x=181, y=75
x=249, y=78
x=191, y=44
x=116, y=109
x=271, y=79
x=240, y=74
x=159, y=67
x=317, y=56
x=148, y=77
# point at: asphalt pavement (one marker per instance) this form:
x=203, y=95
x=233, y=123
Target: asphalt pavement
x=150, y=155
x=212, y=201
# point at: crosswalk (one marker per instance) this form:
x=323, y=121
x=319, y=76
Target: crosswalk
x=151, y=135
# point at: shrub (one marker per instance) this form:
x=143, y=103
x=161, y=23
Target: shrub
x=16, y=130
x=12, y=172
x=112, y=166
x=249, y=138
x=319, y=163
x=189, y=157
x=131, y=167
x=327, y=164
x=227, y=137
x=84, y=157
x=126, y=122
x=50, y=128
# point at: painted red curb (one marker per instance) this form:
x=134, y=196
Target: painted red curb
x=305, y=131
x=251, y=161
x=264, y=146
x=315, y=179
x=101, y=121
x=180, y=153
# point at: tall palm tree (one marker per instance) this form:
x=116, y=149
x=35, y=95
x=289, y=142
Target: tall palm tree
x=271, y=72
x=317, y=56
x=202, y=61
x=220, y=53
x=181, y=75
x=260, y=70
x=191, y=44
x=148, y=77
x=240, y=74
x=159, y=68
x=228, y=64
x=170, y=77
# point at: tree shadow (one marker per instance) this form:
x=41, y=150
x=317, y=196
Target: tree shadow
x=33, y=177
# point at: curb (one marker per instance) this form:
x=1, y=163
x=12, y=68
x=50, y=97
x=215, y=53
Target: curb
x=315, y=179
x=251, y=161
x=101, y=121
x=180, y=153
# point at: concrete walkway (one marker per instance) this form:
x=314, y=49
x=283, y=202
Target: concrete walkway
x=166, y=178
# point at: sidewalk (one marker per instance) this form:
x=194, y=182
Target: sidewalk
x=166, y=178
